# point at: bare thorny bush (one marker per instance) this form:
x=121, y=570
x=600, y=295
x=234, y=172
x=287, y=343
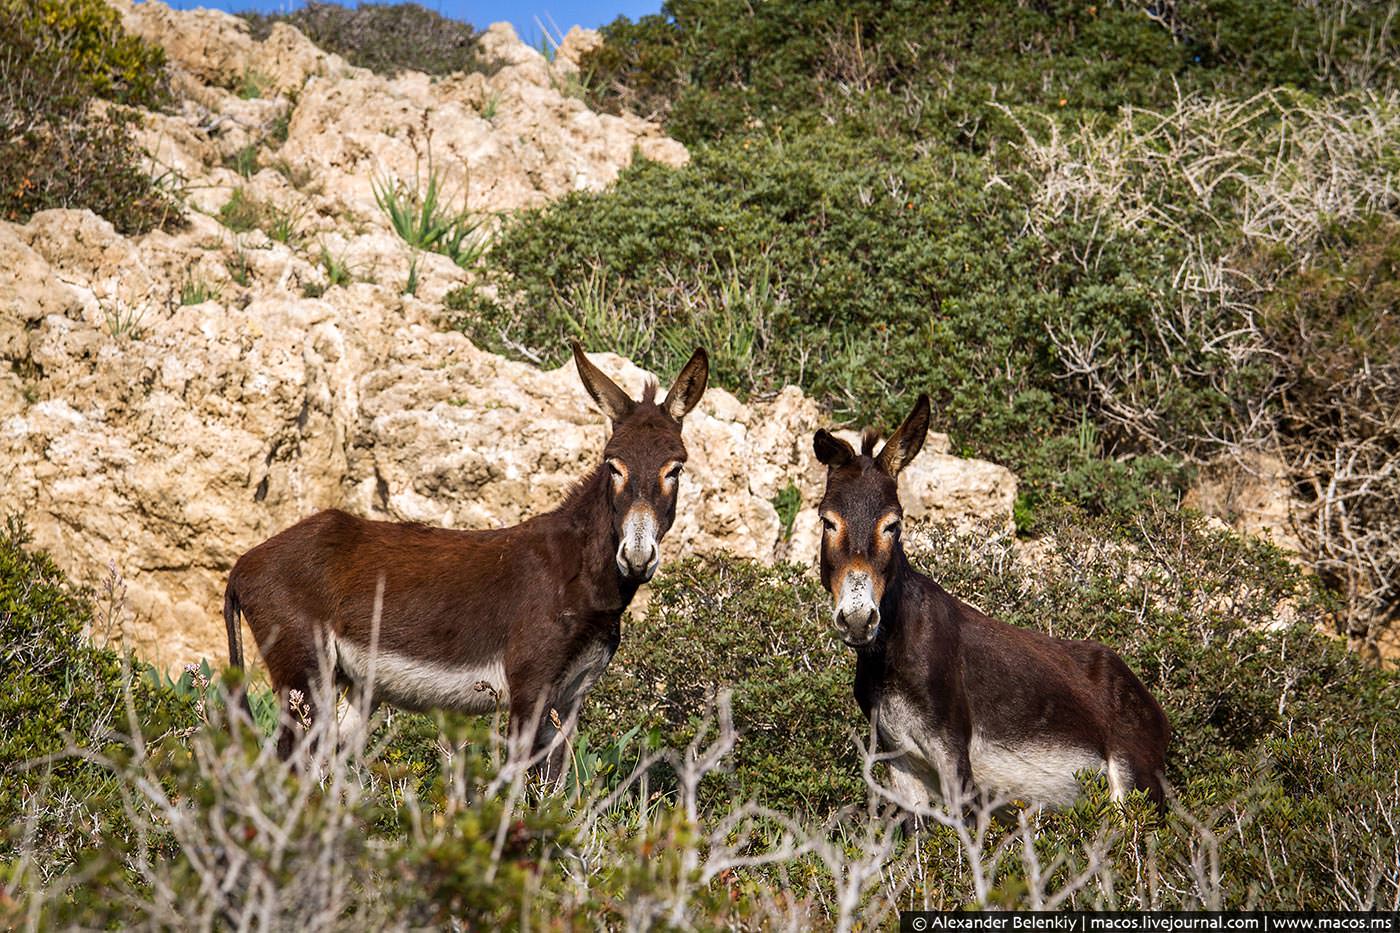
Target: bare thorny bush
x=1224, y=183
x=245, y=842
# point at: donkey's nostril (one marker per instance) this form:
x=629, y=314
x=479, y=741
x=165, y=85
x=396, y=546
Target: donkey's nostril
x=636, y=566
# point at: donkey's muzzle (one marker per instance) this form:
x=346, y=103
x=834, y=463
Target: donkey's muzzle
x=856, y=614
x=639, y=569
x=858, y=628
x=638, y=555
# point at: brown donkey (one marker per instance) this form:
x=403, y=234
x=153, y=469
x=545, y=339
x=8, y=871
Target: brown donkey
x=965, y=702
x=527, y=616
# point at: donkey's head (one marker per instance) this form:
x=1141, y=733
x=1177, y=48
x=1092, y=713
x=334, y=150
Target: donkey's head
x=644, y=457
x=861, y=521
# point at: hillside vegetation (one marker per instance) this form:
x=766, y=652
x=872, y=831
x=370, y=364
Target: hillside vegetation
x=66, y=74
x=1115, y=242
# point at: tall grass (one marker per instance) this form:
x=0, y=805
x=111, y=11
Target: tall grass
x=427, y=216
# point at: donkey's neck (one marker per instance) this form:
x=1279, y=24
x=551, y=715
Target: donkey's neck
x=587, y=514
x=900, y=598
x=910, y=602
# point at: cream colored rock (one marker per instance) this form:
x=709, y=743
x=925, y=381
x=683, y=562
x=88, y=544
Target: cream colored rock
x=215, y=49
x=1253, y=494
x=577, y=43
x=516, y=139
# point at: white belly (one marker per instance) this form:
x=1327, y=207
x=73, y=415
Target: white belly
x=1037, y=772
x=415, y=684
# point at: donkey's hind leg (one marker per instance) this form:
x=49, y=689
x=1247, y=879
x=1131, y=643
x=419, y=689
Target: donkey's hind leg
x=297, y=716
x=306, y=684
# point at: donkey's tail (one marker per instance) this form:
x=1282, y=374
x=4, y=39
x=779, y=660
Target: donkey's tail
x=232, y=611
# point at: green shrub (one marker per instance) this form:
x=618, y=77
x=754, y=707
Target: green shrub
x=384, y=37
x=61, y=692
x=719, y=67
x=864, y=270
x=1079, y=294
x=61, y=149
x=758, y=631
x=85, y=38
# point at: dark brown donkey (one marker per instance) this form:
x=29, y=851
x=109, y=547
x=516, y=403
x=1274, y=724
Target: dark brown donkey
x=527, y=616
x=966, y=703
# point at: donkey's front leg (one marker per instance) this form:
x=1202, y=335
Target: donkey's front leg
x=534, y=734
x=541, y=716
x=959, y=793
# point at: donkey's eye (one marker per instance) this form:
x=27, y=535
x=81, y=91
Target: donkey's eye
x=892, y=528
x=828, y=524
x=675, y=471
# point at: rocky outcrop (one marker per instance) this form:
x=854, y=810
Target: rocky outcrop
x=517, y=137
x=170, y=400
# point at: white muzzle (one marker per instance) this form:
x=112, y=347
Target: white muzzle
x=856, y=614
x=637, y=553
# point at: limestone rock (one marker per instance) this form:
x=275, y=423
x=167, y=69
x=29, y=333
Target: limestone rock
x=1253, y=494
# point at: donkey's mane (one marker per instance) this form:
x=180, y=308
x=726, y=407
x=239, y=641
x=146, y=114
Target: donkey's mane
x=649, y=390
x=579, y=490
x=868, y=439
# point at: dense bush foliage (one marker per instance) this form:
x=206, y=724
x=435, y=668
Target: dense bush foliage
x=864, y=269
x=85, y=38
x=758, y=632
x=715, y=67
x=384, y=37
x=63, y=141
x=59, y=692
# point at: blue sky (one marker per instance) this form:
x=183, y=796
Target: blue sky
x=481, y=13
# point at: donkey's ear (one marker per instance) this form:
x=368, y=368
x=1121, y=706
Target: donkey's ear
x=616, y=404
x=689, y=385
x=831, y=450
x=904, y=445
